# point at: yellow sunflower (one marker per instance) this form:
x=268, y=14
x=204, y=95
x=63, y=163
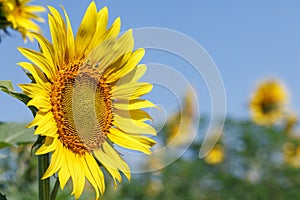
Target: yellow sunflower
x=18, y=15
x=87, y=94
x=180, y=125
x=291, y=153
x=216, y=155
x=267, y=103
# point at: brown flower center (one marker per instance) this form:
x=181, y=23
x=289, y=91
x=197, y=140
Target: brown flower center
x=82, y=108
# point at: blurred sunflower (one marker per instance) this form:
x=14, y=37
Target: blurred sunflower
x=18, y=15
x=180, y=125
x=87, y=94
x=216, y=155
x=267, y=103
x=291, y=154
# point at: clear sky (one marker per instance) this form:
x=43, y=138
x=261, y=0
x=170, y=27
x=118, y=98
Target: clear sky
x=247, y=40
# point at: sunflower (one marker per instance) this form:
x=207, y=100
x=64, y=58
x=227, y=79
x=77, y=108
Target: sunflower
x=180, y=125
x=267, y=102
x=18, y=15
x=216, y=155
x=291, y=153
x=87, y=94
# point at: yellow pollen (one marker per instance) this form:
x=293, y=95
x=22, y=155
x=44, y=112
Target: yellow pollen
x=82, y=108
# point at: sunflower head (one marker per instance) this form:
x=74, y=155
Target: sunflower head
x=216, y=155
x=180, y=125
x=87, y=92
x=18, y=15
x=267, y=103
x=291, y=152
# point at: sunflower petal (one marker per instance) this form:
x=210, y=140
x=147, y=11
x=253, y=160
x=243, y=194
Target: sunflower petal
x=86, y=30
x=37, y=74
x=119, y=162
x=40, y=60
x=131, y=90
x=48, y=146
x=98, y=37
x=64, y=173
x=109, y=165
x=139, y=114
x=46, y=48
x=133, y=104
x=70, y=39
x=121, y=71
x=138, y=143
x=98, y=174
x=133, y=126
x=55, y=163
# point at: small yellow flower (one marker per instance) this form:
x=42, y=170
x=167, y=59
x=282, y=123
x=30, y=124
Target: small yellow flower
x=291, y=154
x=87, y=92
x=180, y=125
x=216, y=155
x=18, y=15
x=267, y=103
x=291, y=121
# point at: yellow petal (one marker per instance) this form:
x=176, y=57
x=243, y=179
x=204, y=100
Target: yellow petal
x=114, y=30
x=141, y=70
x=134, y=142
x=133, y=126
x=37, y=74
x=37, y=119
x=34, y=8
x=34, y=90
x=89, y=175
x=98, y=174
x=70, y=38
x=122, y=46
x=86, y=30
x=48, y=146
x=110, y=51
x=49, y=128
x=119, y=162
x=46, y=48
x=72, y=169
x=55, y=163
x=41, y=103
x=140, y=115
x=121, y=71
x=100, y=29
x=133, y=104
x=109, y=165
x=58, y=35
x=64, y=173
x=131, y=90
x=40, y=60
x=79, y=185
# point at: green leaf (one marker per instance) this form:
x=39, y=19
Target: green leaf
x=2, y=197
x=7, y=87
x=12, y=134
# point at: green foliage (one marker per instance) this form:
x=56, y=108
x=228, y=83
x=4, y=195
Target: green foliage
x=7, y=87
x=253, y=168
x=12, y=134
x=2, y=197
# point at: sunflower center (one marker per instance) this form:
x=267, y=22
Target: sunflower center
x=268, y=107
x=82, y=108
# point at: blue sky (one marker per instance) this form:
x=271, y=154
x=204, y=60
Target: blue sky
x=247, y=40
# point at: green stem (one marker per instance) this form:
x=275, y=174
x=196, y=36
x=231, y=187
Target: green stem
x=44, y=185
x=55, y=189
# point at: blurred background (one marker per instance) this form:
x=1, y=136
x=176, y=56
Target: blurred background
x=258, y=154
